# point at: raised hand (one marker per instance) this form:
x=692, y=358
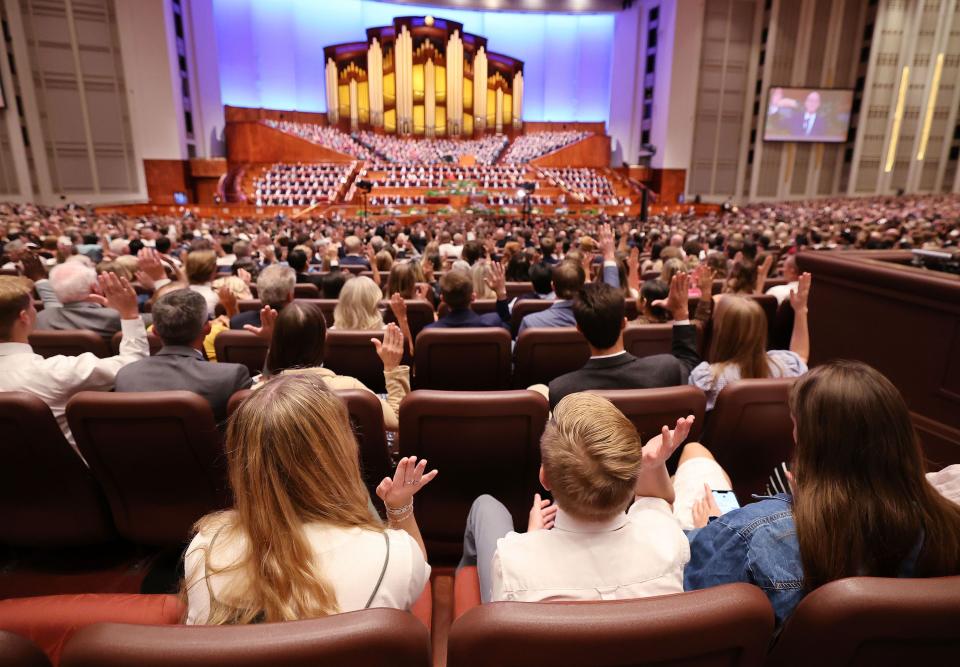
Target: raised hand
x=117, y=294
x=399, y=307
x=705, y=508
x=397, y=492
x=390, y=349
x=268, y=319
x=245, y=276
x=543, y=514
x=799, y=296
x=607, y=245
x=150, y=265
x=763, y=272
x=660, y=448
x=705, y=281
x=678, y=299
x=495, y=278
x=229, y=300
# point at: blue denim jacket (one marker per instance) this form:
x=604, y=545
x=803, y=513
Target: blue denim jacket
x=757, y=544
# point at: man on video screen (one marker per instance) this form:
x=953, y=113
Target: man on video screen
x=810, y=122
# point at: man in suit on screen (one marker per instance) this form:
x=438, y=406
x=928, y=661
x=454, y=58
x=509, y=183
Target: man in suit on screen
x=812, y=121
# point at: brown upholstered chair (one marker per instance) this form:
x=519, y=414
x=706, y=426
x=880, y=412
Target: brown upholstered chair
x=480, y=307
x=750, y=432
x=419, y=314
x=651, y=409
x=482, y=442
x=645, y=340
x=157, y=456
x=152, y=339
x=306, y=291
x=874, y=621
x=351, y=353
x=517, y=289
x=69, y=343
x=326, y=306
x=48, y=498
x=17, y=651
x=242, y=347
x=51, y=620
x=243, y=305
x=463, y=359
x=524, y=307
x=543, y=354
x=236, y=399
x=366, y=417
x=725, y=626
x=631, y=308
x=373, y=637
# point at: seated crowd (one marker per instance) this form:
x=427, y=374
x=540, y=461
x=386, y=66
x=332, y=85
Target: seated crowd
x=528, y=147
x=300, y=184
x=419, y=151
x=303, y=538
x=326, y=136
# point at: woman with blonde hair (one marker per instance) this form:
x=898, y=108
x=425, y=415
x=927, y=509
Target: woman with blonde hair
x=479, y=272
x=358, y=307
x=301, y=541
x=739, y=347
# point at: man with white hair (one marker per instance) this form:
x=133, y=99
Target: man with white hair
x=275, y=287
x=73, y=284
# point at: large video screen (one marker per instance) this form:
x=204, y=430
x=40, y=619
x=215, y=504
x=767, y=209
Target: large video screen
x=808, y=114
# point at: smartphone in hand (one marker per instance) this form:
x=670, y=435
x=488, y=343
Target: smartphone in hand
x=726, y=500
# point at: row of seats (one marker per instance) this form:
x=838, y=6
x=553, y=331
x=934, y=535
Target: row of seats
x=156, y=460
x=857, y=621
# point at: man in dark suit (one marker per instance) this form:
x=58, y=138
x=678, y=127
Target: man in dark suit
x=810, y=122
x=180, y=319
x=297, y=259
x=457, y=292
x=599, y=311
x=275, y=288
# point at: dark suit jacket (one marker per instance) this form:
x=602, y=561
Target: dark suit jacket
x=177, y=367
x=82, y=315
x=312, y=278
x=466, y=318
x=246, y=317
x=820, y=125
x=626, y=371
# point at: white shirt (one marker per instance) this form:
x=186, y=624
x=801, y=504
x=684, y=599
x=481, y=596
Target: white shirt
x=783, y=291
x=636, y=554
x=349, y=559
x=450, y=250
x=57, y=379
x=206, y=291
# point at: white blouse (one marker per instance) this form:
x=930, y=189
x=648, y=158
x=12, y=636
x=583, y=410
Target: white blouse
x=350, y=559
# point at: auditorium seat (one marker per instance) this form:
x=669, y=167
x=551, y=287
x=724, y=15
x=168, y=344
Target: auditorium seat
x=524, y=307
x=782, y=327
x=543, y=354
x=366, y=418
x=481, y=442
x=17, y=651
x=463, y=359
x=51, y=620
x=306, y=291
x=651, y=409
x=645, y=340
x=242, y=347
x=352, y=353
x=750, y=432
x=152, y=339
x=631, y=309
x=479, y=306
x=243, y=305
x=69, y=343
x=376, y=637
x=236, y=399
x=48, y=498
x=873, y=621
x=157, y=456
x=326, y=306
x=725, y=626
x=419, y=314
x=517, y=289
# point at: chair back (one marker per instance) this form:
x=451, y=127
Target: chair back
x=725, y=626
x=524, y=307
x=419, y=314
x=326, y=306
x=242, y=347
x=873, y=621
x=157, y=456
x=376, y=637
x=306, y=291
x=366, y=418
x=48, y=498
x=17, y=651
x=470, y=359
x=545, y=353
x=482, y=442
x=51, y=620
x=651, y=409
x=152, y=339
x=750, y=432
x=480, y=307
x=70, y=343
x=517, y=289
x=646, y=340
x=352, y=353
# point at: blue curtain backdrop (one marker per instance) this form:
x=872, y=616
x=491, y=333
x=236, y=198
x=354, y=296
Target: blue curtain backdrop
x=271, y=52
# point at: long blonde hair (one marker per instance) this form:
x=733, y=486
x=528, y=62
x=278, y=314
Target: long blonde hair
x=740, y=337
x=479, y=272
x=292, y=460
x=358, y=306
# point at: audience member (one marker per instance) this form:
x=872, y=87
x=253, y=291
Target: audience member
x=457, y=291
x=301, y=540
x=201, y=271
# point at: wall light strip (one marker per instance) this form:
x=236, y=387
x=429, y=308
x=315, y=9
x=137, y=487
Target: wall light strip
x=897, y=119
x=931, y=100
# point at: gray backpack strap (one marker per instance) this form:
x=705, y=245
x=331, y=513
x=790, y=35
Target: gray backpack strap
x=383, y=571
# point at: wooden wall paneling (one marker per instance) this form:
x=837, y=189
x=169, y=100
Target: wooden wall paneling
x=252, y=141
x=593, y=151
x=165, y=177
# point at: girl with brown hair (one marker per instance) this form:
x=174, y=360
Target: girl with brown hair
x=739, y=347
x=301, y=540
x=860, y=503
